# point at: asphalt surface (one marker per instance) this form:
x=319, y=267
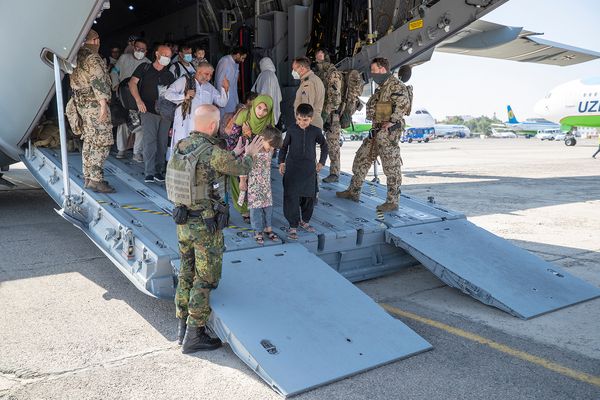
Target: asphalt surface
x=73, y=327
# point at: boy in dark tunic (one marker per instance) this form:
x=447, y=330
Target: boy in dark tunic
x=297, y=164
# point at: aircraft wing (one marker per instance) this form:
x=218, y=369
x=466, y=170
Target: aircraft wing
x=488, y=39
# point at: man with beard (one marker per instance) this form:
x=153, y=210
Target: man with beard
x=189, y=99
x=229, y=67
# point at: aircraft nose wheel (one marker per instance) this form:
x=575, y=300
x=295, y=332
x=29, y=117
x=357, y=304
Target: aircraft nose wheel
x=570, y=142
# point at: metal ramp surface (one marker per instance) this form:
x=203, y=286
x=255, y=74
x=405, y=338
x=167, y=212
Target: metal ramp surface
x=491, y=269
x=298, y=324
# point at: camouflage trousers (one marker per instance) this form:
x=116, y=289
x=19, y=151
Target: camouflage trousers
x=97, y=138
x=333, y=146
x=92, y=160
x=200, y=271
x=386, y=146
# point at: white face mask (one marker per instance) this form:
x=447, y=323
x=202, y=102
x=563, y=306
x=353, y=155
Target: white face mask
x=164, y=61
x=139, y=55
x=295, y=74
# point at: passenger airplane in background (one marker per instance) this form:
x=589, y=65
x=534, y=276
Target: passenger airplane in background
x=419, y=118
x=530, y=126
x=575, y=103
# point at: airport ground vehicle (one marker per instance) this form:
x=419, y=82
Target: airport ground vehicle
x=418, y=135
x=548, y=134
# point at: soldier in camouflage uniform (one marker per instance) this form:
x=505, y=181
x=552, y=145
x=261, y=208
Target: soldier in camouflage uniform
x=91, y=87
x=332, y=80
x=200, y=241
x=386, y=108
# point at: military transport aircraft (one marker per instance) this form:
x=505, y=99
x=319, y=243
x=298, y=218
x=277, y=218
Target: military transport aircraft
x=281, y=307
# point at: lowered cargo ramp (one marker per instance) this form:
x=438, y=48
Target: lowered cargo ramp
x=298, y=324
x=491, y=269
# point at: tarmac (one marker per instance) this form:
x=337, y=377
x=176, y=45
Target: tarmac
x=73, y=327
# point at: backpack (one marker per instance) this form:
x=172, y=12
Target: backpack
x=166, y=108
x=178, y=70
x=124, y=93
x=410, y=99
x=352, y=87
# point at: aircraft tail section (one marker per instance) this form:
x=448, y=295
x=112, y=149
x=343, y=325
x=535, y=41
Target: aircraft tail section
x=511, y=115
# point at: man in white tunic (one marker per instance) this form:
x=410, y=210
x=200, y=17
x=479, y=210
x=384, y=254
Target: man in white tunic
x=228, y=67
x=205, y=93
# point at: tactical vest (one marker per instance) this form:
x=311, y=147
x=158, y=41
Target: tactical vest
x=190, y=178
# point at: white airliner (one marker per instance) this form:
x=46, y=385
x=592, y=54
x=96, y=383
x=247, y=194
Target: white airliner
x=421, y=118
x=575, y=103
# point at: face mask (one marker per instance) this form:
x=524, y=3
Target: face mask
x=380, y=78
x=295, y=74
x=138, y=54
x=164, y=61
x=187, y=58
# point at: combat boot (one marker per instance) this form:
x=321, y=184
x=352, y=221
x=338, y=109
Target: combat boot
x=196, y=339
x=347, y=194
x=387, y=206
x=181, y=328
x=100, y=187
x=331, y=178
x=87, y=181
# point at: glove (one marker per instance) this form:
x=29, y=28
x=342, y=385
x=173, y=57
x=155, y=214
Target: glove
x=211, y=225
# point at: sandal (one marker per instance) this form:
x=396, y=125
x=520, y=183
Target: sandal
x=271, y=235
x=307, y=227
x=292, y=234
x=259, y=239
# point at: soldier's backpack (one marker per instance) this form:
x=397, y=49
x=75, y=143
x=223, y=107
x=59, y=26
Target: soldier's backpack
x=352, y=87
x=182, y=188
x=410, y=99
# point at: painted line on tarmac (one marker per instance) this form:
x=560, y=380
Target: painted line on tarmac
x=542, y=362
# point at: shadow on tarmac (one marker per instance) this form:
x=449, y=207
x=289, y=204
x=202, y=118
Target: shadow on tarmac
x=503, y=194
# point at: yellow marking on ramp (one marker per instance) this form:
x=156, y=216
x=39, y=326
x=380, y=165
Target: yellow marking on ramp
x=542, y=362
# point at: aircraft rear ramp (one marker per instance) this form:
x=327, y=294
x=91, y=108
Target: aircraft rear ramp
x=491, y=269
x=282, y=307
x=298, y=324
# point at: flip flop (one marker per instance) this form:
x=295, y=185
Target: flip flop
x=259, y=239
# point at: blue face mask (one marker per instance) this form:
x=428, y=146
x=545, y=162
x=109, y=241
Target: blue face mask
x=187, y=57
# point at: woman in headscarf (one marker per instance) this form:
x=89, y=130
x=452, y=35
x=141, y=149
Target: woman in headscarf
x=267, y=83
x=249, y=122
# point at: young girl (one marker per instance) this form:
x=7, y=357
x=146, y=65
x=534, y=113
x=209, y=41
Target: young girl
x=249, y=123
x=260, y=201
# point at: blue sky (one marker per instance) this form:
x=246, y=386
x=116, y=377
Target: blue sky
x=458, y=85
